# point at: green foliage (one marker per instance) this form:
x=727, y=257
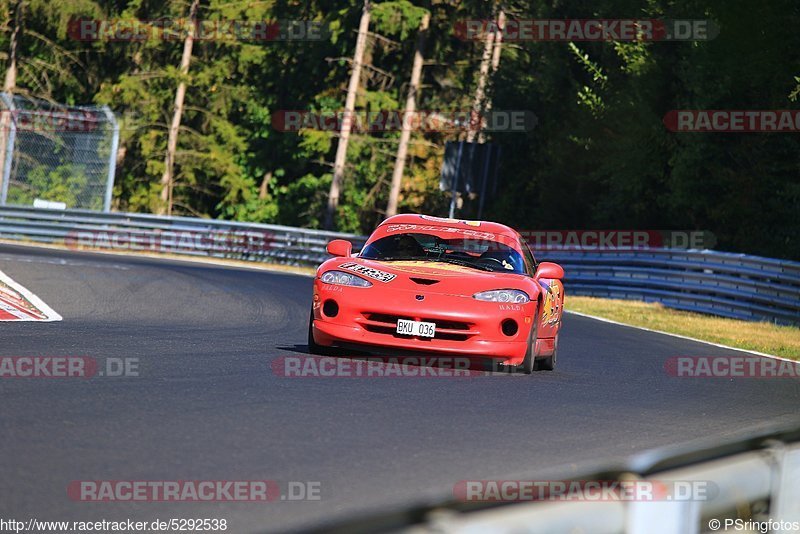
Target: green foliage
x=303, y=200
x=587, y=96
x=399, y=17
x=796, y=91
x=65, y=183
x=599, y=157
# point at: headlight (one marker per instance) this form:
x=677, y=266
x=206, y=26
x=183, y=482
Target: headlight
x=503, y=295
x=343, y=279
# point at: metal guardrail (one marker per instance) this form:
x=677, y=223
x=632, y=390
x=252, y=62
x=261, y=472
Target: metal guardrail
x=84, y=229
x=729, y=285
x=752, y=477
x=738, y=286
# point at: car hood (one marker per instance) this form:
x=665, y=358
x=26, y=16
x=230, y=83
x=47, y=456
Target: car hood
x=428, y=276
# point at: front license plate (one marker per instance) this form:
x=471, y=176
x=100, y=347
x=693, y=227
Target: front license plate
x=415, y=328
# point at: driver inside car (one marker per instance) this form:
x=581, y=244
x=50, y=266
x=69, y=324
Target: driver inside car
x=510, y=262
x=407, y=246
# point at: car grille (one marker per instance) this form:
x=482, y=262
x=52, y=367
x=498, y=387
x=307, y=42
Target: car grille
x=384, y=323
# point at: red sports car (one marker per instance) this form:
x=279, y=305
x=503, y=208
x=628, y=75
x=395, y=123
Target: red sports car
x=434, y=286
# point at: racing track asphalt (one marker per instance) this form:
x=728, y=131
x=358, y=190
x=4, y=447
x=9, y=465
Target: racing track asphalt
x=207, y=406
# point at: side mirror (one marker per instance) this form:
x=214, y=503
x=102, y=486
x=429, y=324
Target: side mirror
x=340, y=247
x=549, y=270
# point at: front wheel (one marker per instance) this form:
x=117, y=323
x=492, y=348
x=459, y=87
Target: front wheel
x=313, y=348
x=549, y=363
x=529, y=363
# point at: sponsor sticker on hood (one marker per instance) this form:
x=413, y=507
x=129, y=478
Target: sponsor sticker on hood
x=369, y=272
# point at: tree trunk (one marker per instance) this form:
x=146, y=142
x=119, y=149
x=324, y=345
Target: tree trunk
x=349, y=107
x=498, y=47
x=9, y=85
x=10, y=82
x=167, y=179
x=263, y=189
x=411, y=107
x=476, y=119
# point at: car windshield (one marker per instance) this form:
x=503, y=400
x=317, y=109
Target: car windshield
x=482, y=254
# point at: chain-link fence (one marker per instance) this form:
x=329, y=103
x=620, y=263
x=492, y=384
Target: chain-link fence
x=56, y=156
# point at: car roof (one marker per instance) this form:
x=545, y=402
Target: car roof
x=485, y=226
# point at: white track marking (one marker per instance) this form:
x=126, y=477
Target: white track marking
x=68, y=263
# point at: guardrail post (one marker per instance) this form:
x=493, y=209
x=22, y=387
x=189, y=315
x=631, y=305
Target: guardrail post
x=786, y=493
x=112, y=158
x=662, y=517
x=9, y=155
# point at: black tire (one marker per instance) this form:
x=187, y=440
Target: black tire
x=548, y=363
x=313, y=348
x=529, y=363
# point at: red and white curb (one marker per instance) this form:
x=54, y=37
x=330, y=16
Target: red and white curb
x=18, y=304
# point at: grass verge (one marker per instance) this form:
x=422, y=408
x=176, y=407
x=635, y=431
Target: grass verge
x=764, y=337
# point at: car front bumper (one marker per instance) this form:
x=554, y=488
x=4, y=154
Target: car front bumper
x=464, y=326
